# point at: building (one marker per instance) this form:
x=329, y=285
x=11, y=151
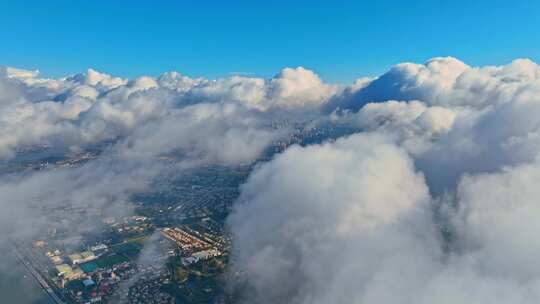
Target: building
x=79, y=258
x=67, y=273
x=185, y=240
x=56, y=260
x=189, y=260
x=200, y=256
x=206, y=254
x=98, y=248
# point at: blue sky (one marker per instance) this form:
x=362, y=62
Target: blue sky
x=340, y=40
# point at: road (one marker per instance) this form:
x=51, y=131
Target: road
x=37, y=276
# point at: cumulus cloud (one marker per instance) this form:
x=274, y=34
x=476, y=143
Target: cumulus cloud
x=432, y=202
x=451, y=116
x=210, y=132
x=300, y=87
x=495, y=221
x=291, y=88
x=135, y=124
x=352, y=222
x=414, y=124
x=462, y=234
x=325, y=234
x=92, y=107
x=444, y=81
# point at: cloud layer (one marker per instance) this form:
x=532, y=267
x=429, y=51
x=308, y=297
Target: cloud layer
x=433, y=200
x=335, y=216
x=447, y=217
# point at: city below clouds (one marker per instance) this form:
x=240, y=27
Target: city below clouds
x=431, y=195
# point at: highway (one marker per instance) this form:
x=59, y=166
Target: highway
x=44, y=285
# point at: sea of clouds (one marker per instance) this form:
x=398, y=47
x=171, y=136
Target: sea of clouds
x=434, y=199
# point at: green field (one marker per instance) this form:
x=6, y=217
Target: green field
x=131, y=249
x=89, y=267
x=110, y=261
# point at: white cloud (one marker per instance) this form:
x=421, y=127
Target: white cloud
x=351, y=222
x=473, y=132
x=91, y=107
x=9, y=72
x=97, y=79
x=357, y=220
x=334, y=215
x=496, y=220
x=299, y=87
